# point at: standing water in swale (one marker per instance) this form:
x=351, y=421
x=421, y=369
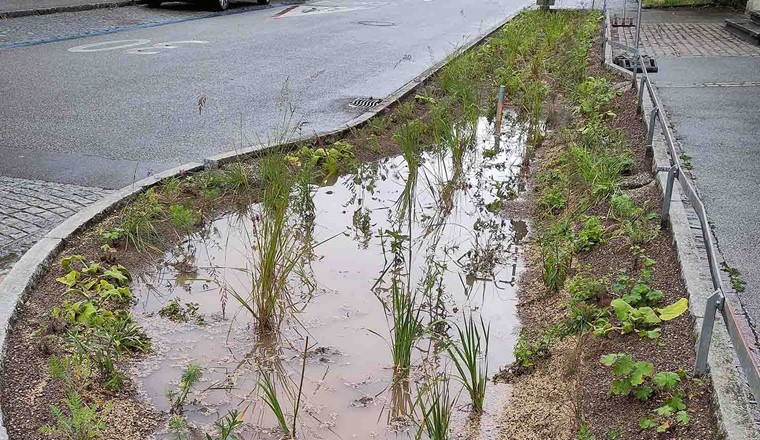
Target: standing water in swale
x=401, y=277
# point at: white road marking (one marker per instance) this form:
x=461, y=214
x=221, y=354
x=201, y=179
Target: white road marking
x=109, y=45
x=130, y=46
x=156, y=48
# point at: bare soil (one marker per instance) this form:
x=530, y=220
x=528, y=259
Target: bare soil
x=571, y=385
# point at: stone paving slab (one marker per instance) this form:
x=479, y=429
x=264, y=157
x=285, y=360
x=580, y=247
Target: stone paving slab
x=31, y=208
x=686, y=40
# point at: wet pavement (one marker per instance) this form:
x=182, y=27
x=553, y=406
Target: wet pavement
x=100, y=110
x=709, y=83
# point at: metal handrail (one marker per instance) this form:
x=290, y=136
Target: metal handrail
x=743, y=345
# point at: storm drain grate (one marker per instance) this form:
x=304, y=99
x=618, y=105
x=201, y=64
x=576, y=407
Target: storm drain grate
x=365, y=102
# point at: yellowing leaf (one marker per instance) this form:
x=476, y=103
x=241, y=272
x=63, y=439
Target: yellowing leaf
x=674, y=310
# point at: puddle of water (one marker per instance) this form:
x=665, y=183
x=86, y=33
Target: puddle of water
x=471, y=254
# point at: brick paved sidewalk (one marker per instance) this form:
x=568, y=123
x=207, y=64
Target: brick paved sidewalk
x=31, y=208
x=686, y=40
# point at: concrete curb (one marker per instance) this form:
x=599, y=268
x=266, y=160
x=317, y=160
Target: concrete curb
x=71, y=8
x=27, y=272
x=731, y=402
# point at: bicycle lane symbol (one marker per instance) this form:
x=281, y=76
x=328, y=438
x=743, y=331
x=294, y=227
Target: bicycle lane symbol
x=131, y=46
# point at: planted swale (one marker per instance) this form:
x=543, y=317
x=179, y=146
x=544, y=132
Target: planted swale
x=411, y=258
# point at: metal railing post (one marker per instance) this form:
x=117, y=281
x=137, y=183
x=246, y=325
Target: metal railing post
x=635, y=67
x=604, y=36
x=665, y=215
x=714, y=303
x=639, y=103
x=638, y=26
x=652, y=121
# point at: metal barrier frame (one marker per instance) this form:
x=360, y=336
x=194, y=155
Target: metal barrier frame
x=717, y=299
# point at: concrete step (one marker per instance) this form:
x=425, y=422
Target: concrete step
x=755, y=16
x=745, y=29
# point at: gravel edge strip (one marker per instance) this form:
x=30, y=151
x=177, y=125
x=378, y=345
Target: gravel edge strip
x=22, y=279
x=732, y=403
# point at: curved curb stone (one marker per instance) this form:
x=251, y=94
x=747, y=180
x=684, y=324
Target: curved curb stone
x=27, y=272
x=731, y=402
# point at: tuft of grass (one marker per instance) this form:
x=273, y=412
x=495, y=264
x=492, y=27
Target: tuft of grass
x=409, y=139
x=276, y=252
x=236, y=178
x=406, y=327
x=470, y=356
x=599, y=169
x=272, y=400
x=436, y=406
x=139, y=219
x=557, y=258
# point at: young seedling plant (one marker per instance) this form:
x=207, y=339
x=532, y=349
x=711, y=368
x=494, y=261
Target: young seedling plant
x=638, y=378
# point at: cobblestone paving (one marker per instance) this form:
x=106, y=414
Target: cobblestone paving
x=40, y=28
x=31, y=208
x=686, y=40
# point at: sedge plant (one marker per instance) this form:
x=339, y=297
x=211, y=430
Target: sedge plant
x=276, y=252
x=470, y=356
x=436, y=406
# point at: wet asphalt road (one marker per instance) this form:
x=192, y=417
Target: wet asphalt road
x=719, y=128
x=103, y=116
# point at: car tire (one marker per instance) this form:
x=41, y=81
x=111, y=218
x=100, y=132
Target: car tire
x=153, y=4
x=220, y=5
x=263, y=2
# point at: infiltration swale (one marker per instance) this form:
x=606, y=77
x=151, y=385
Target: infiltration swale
x=382, y=270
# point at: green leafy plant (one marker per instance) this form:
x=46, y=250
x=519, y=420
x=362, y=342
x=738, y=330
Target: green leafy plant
x=553, y=187
x=182, y=217
x=339, y=157
x=642, y=320
x=175, y=311
x=178, y=396
x=178, y=427
x=638, y=292
x=590, y=234
x=470, y=356
x=529, y=352
x=593, y=95
x=227, y=426
x=630, y=375
x=673, y=411
x=76, y=420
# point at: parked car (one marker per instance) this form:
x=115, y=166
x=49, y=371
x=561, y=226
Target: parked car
x=217, y=5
